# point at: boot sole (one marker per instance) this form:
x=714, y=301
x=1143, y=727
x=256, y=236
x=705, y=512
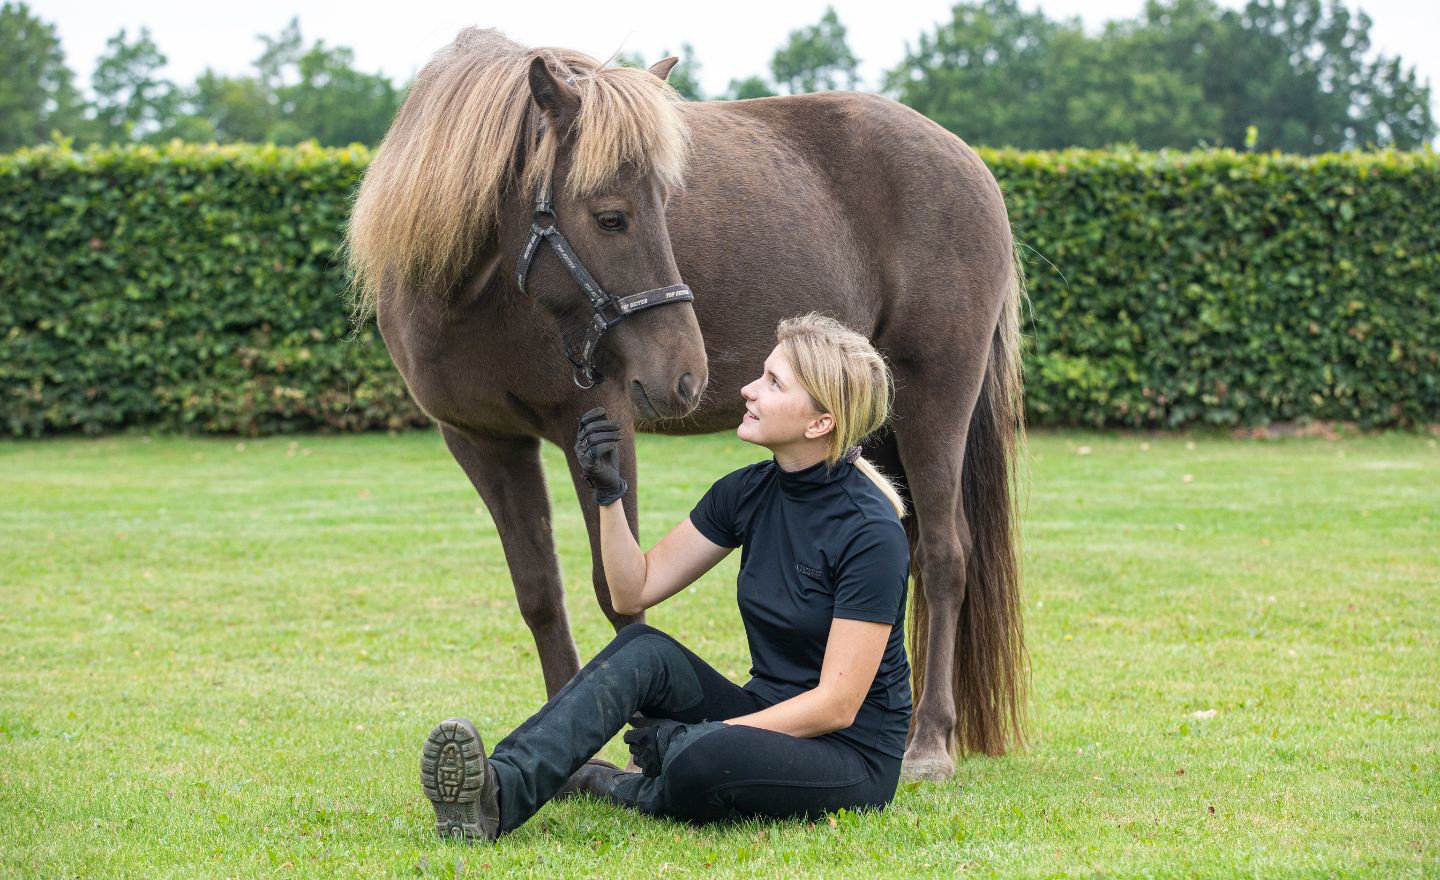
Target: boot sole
x=452, y=772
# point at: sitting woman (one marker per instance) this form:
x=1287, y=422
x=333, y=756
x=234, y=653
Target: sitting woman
x=822, y=722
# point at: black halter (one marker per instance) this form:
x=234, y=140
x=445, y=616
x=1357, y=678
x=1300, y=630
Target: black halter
x=608, y=309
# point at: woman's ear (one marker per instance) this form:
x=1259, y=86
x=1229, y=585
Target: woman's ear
x=820, y=426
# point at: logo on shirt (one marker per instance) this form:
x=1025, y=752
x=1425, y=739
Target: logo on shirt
x=808, y=571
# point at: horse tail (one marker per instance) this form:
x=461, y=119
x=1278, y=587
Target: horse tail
x=991, y=666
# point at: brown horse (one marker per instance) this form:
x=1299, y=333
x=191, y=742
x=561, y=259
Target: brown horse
x=843, y=203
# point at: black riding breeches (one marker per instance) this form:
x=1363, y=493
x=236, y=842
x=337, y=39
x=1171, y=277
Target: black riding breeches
x=712, y=771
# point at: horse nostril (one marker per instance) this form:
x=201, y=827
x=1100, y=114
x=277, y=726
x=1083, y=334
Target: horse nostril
x=686, y=389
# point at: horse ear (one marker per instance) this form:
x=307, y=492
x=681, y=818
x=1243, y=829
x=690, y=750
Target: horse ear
x=559, y=99
x=663, y=67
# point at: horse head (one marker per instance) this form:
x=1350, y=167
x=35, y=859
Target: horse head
x=500, y=150
x=601, y=208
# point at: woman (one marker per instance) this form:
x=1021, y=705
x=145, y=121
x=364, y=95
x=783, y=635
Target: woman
x=821, y=724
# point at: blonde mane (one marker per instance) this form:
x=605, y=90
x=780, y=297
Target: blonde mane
x=432, y=194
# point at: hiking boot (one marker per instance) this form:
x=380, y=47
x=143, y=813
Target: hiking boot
x=595, y=777
x=460, y=783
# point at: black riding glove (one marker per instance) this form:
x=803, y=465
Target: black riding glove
x=596, y=450
x=650, y=740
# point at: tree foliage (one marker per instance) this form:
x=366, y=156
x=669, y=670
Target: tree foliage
x=816, y=58
x=1289, y=75
x=333, y=102
x=1182, y=73
x=297, y=94
x=132, y=100
x=37, y=90
x=749, y=87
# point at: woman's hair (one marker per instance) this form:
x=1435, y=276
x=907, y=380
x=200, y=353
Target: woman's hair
x=845, y=377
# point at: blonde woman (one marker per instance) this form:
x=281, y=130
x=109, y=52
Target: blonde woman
x=821, y=723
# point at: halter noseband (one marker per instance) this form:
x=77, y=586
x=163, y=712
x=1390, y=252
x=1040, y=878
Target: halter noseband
x=606, y=308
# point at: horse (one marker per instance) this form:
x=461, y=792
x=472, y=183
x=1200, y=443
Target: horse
x=713, y=221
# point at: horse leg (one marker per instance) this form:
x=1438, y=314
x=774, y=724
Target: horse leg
x=931, y=442
x=507, y=473
x=973, y=670
x=591, y=512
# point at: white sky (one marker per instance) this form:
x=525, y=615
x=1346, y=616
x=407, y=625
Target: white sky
x=731, y=40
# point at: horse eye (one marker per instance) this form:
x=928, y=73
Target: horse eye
x=611, y=221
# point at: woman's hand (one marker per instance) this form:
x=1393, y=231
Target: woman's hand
x=596, y=449
x=649, y=741
x=655, y=738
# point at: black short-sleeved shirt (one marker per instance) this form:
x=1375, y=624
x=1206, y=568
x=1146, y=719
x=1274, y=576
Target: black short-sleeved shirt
x=818, y=544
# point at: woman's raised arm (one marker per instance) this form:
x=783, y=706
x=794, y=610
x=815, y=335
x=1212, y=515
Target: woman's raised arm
x=643, y=580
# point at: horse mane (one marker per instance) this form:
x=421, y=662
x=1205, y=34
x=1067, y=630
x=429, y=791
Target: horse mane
x=432, y=194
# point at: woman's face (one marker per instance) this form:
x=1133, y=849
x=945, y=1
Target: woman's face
x=778, y=410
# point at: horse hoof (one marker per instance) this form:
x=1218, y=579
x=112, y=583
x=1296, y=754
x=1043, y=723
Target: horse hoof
x=927, y=768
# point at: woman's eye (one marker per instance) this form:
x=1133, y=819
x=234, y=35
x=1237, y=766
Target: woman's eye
x=611, y=221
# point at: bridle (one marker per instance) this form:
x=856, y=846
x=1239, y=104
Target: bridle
x=607, y=310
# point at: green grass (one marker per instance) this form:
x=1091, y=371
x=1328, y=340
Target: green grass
x=221, y=659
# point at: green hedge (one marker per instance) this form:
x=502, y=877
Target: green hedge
x=197, y=288
x=1228, y=288
x=193, y=288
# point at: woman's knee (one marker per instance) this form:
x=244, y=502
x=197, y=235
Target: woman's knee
x=649, y=636
x=633, y=631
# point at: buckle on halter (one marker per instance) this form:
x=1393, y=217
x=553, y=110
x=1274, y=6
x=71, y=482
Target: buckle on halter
x=609, y=313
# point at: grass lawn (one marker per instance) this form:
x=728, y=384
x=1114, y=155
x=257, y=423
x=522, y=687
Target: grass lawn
x=221, y=659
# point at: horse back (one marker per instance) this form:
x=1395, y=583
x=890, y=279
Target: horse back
x=844, y=202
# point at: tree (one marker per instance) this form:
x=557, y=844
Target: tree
x=132, y=102
x=296, y=94
x=1181, y=74
x=37, y=91
x=816, y=58
x=1303, y=72
x=333, y=102
x=998, y=75
x=281, y=51
x=230, y=108
x=1145, y=82
x=750, y=87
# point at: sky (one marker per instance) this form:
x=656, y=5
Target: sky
x=731, y=40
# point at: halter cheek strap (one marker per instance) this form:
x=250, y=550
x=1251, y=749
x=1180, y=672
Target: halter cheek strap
x=607, y=310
